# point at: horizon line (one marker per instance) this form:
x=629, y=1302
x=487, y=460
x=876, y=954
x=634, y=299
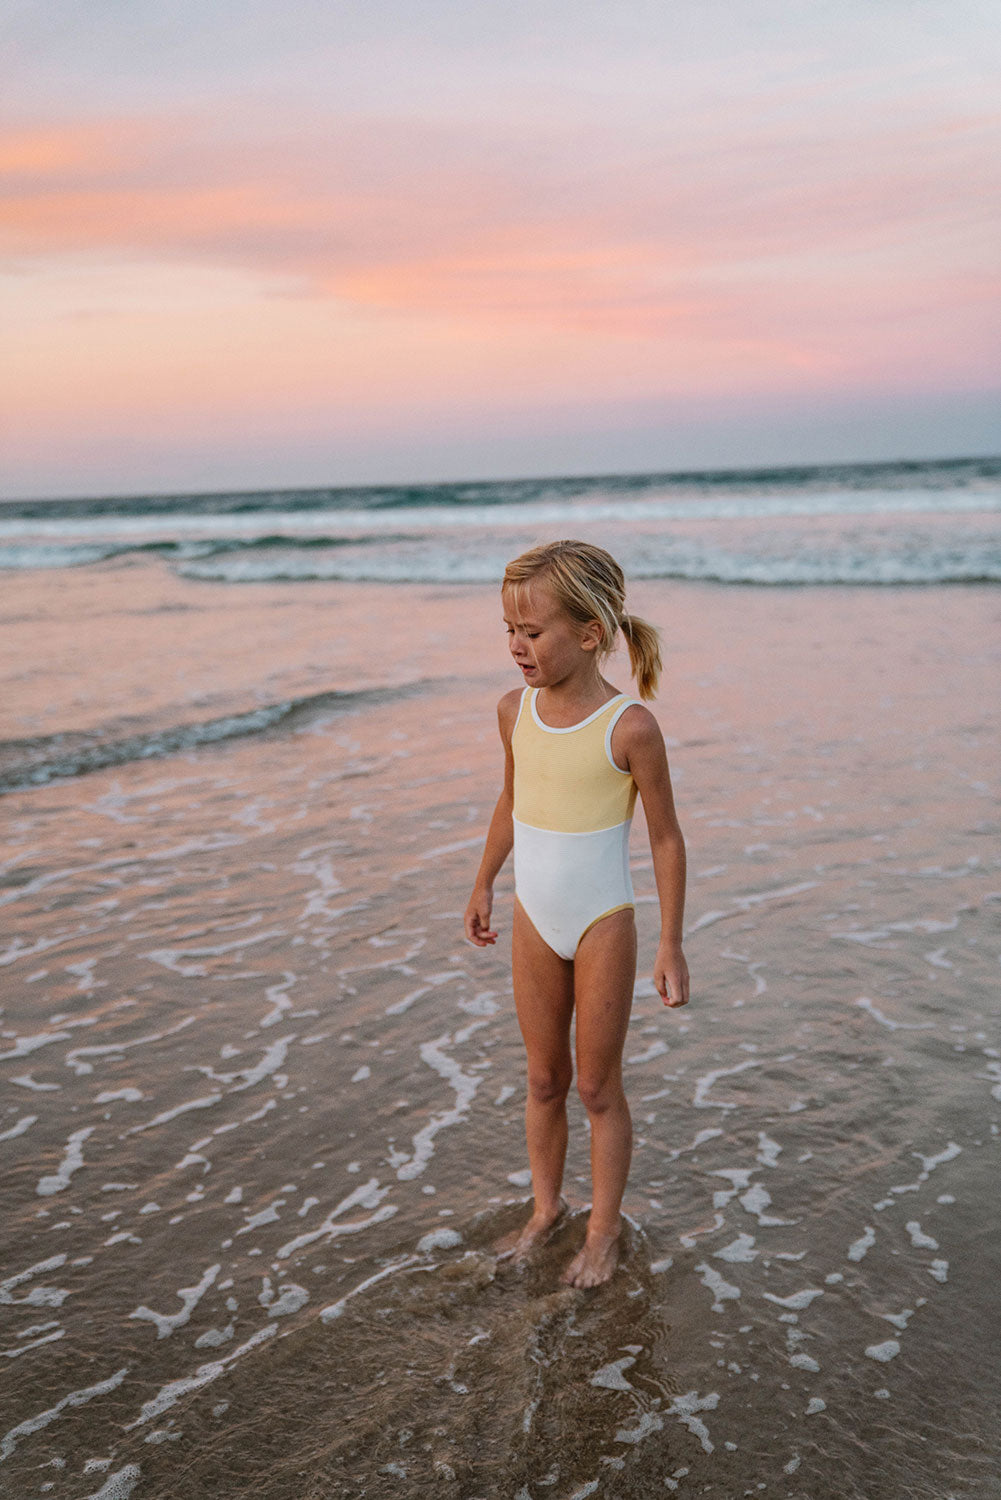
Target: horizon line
x=715, y=471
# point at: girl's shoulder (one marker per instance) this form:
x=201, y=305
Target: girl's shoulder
x=638, y=721
x=637, y=729
x=507, y=711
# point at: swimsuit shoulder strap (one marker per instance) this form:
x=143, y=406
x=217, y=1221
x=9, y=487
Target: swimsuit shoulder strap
x=526, y=690
x=622, y=704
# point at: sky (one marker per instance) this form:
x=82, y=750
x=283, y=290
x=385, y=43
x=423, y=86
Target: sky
x=247, y=244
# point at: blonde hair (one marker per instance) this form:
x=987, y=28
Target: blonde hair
x=588, y=584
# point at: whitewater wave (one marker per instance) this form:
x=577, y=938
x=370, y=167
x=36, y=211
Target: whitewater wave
x=910, y=555
x=858, y=525
x=34, y=762
x=976, y=560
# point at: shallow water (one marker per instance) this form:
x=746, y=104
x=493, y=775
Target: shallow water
x=263, y=1106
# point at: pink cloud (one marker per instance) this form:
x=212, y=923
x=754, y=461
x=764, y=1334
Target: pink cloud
x=787, y=257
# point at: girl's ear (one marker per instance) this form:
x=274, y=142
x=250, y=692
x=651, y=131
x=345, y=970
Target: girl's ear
x=592, y=636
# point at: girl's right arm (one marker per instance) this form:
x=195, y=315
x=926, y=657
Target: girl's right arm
x=500, y=835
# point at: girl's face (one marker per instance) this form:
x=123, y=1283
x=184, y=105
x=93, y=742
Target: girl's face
x=547, y=645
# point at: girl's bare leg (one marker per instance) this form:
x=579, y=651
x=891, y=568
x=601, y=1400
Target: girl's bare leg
x=604, y=975
x=544, y=997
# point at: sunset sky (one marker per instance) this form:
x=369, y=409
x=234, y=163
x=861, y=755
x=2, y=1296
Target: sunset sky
x=254, y=244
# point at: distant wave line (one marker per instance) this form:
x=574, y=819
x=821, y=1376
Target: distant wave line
x=276, y=527
x=890, y=473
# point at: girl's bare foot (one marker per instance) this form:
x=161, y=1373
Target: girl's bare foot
x=595, y=1263
x=519, y=1244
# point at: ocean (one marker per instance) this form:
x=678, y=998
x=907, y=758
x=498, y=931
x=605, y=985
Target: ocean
x=248, y=754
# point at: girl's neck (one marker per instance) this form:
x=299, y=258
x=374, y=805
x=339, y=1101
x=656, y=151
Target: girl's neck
x=574, y=698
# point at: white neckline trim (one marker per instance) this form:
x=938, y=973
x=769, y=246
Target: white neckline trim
x=569, y=728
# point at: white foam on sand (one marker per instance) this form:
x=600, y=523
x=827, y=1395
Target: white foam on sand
x=334, y=1310
x=366, y=1195
x=465, y=1086
x=119, y=1486
x=755, y=1201
x=71, y=1162
x=292, y=1297
x=190, y=1297
x=739, y=1251
x=919, y=1239
x=928, y=1166
x=929, y=1163
x=267, y=1215
x=273, y=1058
x=204, y=1102
x=433, y=980
x=439, y=1239
x=864, y=1003
x=38, y=1296
x=26, y=1044
x=685, y=1409
x=858, y=1249
x=23, y=1124
x=648, y=1422
x=655, y=1049
x=740, y=1179
x=75, y=1398
x=757, y=897
x=168, y=1395
x=174, y=958
x=611, y=1377
x=797, y=1301
x=768, y=1150
x=75, y=1058
x=884, y=1352
x=901, y=1319
x=703, y=1085
x=723, y=1292
x=47, y=1338
x=277, y=997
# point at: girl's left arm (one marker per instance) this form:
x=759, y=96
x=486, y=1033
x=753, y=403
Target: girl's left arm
x=643, y=751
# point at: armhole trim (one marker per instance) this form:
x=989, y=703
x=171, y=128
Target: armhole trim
x=629, y=703
x=521, y=709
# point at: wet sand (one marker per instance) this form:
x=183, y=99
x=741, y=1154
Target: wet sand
x=262, y=1105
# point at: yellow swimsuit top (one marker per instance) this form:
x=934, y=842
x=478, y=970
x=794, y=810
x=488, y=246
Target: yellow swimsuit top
x=565, y=779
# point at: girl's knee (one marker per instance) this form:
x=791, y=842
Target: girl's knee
x=549, y=1086
x=600, y=1095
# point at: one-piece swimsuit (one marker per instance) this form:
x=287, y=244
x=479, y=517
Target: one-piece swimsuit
x=573, y=809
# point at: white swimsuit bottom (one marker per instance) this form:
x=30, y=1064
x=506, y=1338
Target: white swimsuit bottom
x=568, y=881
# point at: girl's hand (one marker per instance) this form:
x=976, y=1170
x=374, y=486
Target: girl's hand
x=477, y=918
x=670, y=975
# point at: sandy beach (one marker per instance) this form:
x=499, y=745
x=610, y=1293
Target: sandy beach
x=263, y=1104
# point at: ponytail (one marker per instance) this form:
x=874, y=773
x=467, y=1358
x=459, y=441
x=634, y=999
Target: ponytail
x=643, y=640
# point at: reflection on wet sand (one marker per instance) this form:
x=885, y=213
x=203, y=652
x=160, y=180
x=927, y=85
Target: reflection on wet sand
x=262, y=1114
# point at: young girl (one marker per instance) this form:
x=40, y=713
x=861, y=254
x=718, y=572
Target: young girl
x=577, y=752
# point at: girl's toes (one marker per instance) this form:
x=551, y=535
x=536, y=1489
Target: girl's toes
x=594, y=1265
x=573, y=1270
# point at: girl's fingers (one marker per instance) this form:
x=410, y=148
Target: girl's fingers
x=673, y=989
x=477, y=930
